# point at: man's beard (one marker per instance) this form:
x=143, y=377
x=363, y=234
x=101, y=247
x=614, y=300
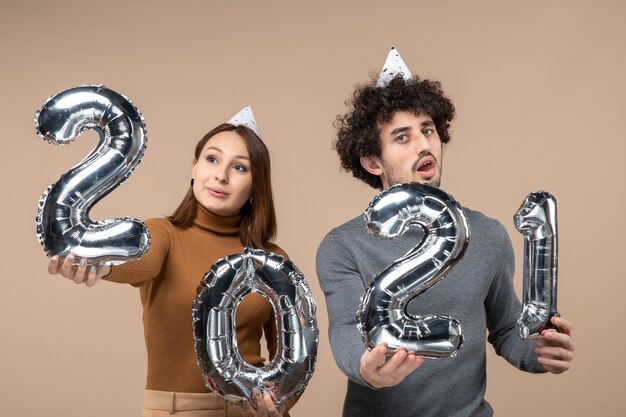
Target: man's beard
x=395, y=179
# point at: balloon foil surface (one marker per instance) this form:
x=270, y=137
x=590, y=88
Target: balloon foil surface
x=213, y=314
x=63, y=223
x=536, y=220
x=382, y=315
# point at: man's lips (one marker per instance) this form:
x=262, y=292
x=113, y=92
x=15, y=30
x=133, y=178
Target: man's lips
x=426, y=166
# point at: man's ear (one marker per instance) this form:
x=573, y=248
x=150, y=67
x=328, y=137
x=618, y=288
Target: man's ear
x=372, y=165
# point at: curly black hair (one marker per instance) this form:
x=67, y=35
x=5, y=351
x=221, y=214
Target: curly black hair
x=358, y=131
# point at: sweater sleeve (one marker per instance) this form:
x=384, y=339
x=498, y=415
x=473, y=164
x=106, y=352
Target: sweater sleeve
x=148, y=267
x=503, y=307
x=343, y=286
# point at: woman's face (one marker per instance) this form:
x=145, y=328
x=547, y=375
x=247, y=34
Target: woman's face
x=222, y=174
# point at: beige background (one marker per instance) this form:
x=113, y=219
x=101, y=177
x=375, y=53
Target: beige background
x=539, y=89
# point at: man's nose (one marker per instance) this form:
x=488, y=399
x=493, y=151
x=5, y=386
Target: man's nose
x=422, y=144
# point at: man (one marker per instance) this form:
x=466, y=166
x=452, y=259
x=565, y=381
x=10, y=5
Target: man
x=393, y=134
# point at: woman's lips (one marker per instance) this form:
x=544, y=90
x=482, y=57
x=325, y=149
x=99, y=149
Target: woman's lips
x=217, y=192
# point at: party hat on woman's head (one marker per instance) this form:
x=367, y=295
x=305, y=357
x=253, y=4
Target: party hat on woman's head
x=394, y=65
x=245, y=118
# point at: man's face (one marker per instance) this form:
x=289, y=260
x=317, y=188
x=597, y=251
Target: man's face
x=410, y=151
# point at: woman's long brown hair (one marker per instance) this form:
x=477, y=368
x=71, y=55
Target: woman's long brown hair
x=258, y=221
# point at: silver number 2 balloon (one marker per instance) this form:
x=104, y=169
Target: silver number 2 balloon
x=382, y=316
x=213, y=315
x=63, y=223
x=536, y=220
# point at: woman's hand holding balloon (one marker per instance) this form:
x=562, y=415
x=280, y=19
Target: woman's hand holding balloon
x=380, y=372
x=555, y=350
x=264, y=405
x=82, y=274
x=215, y=331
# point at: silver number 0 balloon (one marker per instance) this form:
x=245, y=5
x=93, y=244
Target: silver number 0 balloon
x=536, y=220
x=213, y=315
x=382, y=316
x=63, y=223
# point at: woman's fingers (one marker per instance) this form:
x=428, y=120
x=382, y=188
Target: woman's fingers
x=262, y=404
x=80, y=274
x=53, y=265
x=247, y=409
x=83, y=273
x=92, y=276
x=67, y=267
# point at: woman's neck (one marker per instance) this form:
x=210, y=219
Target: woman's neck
x=222, y=225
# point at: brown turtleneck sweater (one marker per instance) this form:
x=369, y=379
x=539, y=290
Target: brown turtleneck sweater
x=167, y=277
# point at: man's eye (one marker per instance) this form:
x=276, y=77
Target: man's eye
x=428, y=132
x=402, y=138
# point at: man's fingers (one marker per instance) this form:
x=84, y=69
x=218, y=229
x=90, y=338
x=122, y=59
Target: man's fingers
x=395, y=361
x=401, y=364
x=375, y=358
x=380, y=371
x=563, y=324
x=554, y=365
x=553, y=338
x=554, y=353
x=410, y=364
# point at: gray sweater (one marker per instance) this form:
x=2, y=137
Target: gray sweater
x=478, y=292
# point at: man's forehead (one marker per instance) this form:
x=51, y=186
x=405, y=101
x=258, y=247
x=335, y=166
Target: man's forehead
x=406, y=120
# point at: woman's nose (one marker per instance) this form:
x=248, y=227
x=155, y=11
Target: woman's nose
x=222, y=176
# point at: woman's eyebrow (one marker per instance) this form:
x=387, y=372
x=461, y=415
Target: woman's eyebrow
x=221, y=151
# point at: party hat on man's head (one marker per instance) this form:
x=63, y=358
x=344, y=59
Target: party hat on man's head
x=394, y=65
x=245, y=118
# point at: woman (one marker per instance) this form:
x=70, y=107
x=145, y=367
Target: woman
x=228, y=206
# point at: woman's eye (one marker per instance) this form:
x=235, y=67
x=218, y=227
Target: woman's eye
x=241, y=168
x=211, y=159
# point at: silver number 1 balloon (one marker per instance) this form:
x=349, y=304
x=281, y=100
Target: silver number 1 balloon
x=536, y=220
x=382, y=315
x=63, y=223
x=213, y=315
